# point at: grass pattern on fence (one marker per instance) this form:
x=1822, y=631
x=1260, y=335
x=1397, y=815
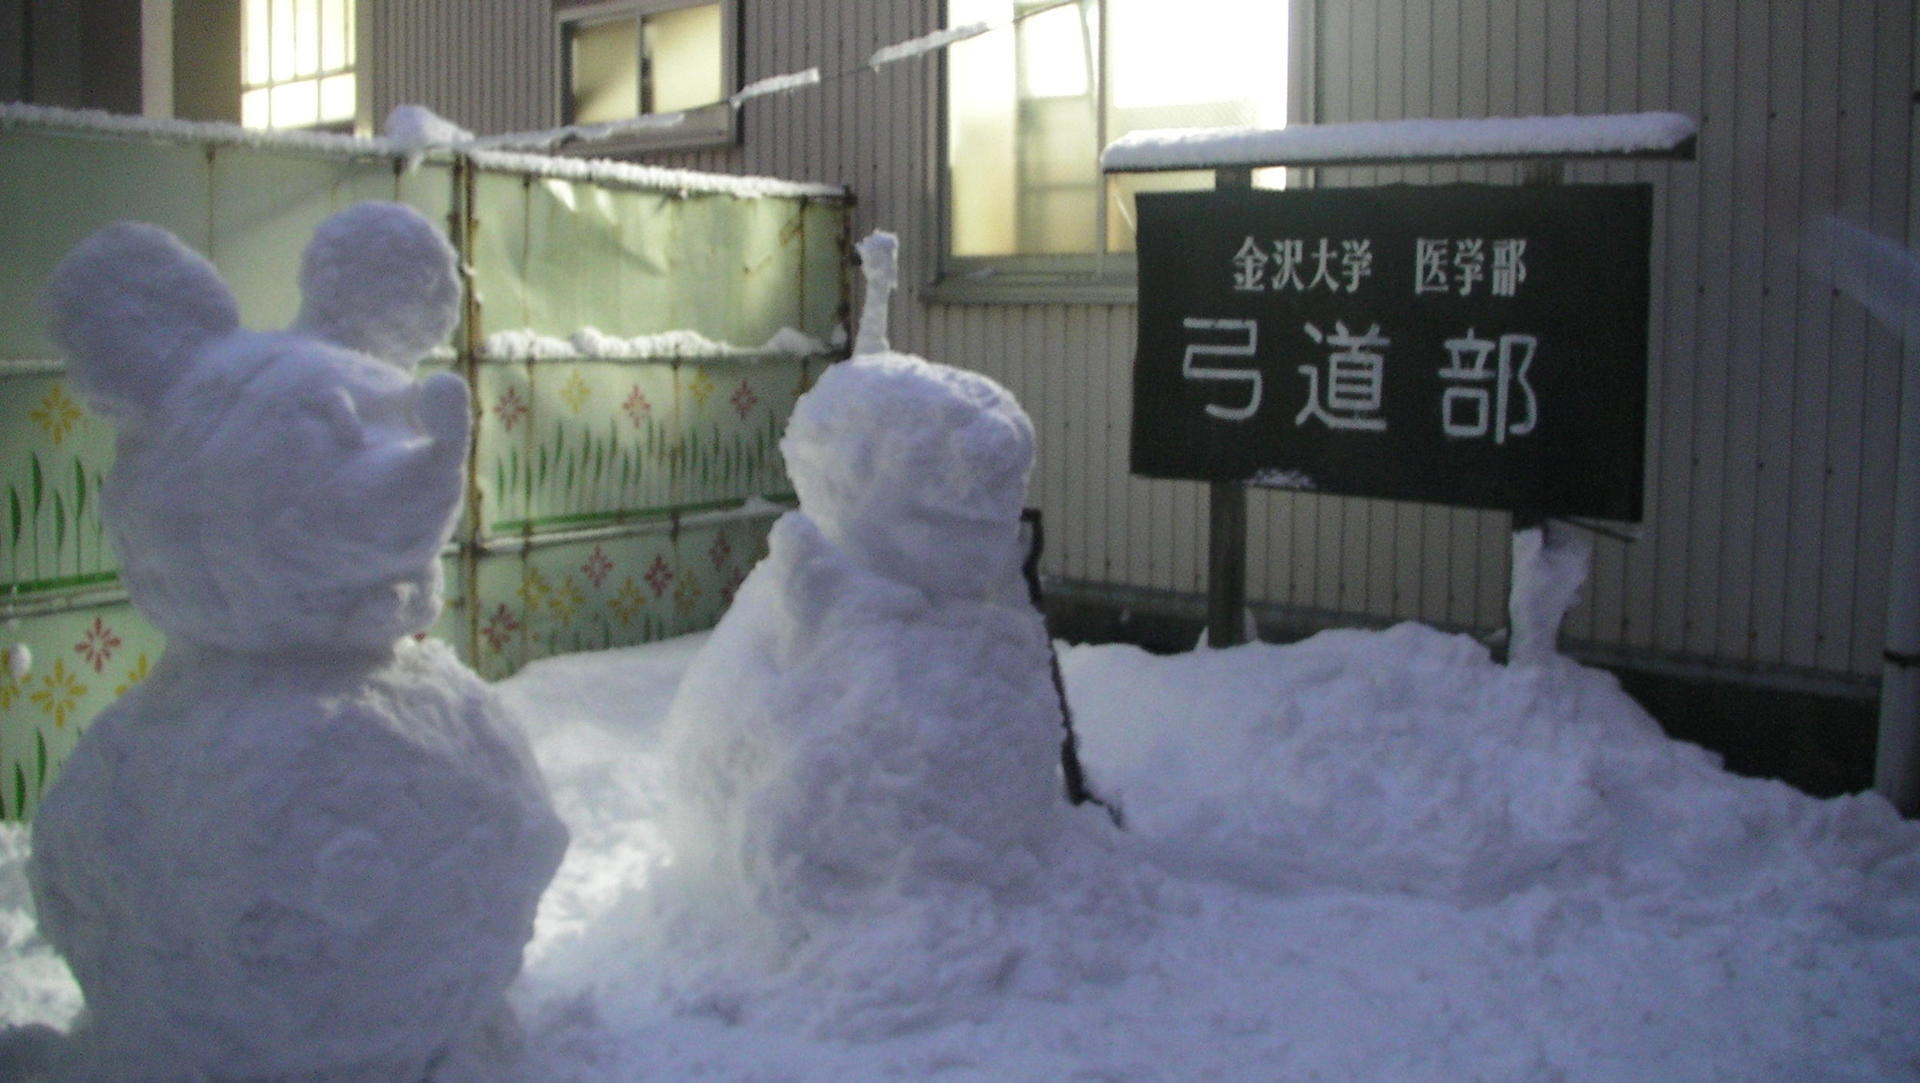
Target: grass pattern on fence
x=26, y=789
x=55, y=537
x=587, y=477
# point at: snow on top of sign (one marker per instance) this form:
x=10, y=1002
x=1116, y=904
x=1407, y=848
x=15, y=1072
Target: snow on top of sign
x=590, y=343
x=415, y=133
x=1372, y=141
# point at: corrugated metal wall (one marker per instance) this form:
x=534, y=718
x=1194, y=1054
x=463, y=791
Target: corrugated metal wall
x=1772, y=431
x=487, y=65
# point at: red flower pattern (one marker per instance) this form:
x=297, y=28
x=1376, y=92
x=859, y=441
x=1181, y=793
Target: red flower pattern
x=597, y=567
x=743, y=399
x=658, y=576
x=511, y=408
x=98, y=645
x=637, y=406
x=500, y=628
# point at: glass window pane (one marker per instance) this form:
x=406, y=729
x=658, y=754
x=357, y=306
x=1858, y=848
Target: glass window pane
x=281, y=26
x=253, y=108
x=1219, y=63
x=258, y=46
x=336, y=34
x=295, y=105
x=981, y=105
x=336, y=98
x=606, y=70
x=1056, y=47
x=306, y=37
x=684, y=59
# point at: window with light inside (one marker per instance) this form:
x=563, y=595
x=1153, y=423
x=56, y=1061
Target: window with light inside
x=1031, y=103
x=296, y=64
x=662, y=58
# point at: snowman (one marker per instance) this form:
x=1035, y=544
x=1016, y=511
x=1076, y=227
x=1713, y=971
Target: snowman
x=308, y=846
x=868, y=748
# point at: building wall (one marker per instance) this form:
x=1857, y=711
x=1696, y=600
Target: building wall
x=1772, y=429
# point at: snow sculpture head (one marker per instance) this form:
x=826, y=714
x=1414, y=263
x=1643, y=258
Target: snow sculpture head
x=916, y=470
x=274, y=490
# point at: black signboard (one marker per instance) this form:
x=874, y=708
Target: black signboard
x=1464, y=344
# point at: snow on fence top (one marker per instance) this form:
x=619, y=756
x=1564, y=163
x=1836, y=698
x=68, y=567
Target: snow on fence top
x=1656, y=135
x=591, y=344
x=410, y=148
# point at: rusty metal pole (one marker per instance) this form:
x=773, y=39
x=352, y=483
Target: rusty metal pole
x=1227, y=519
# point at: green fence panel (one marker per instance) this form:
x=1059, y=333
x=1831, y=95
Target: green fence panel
x=56, y=189
x=614, y=494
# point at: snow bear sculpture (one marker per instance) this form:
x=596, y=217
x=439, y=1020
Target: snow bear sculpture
x=308, y=846
x=873, y=723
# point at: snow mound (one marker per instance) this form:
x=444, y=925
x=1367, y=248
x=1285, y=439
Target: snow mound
x=1407, y=761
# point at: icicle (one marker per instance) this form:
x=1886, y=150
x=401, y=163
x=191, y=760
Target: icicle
x=877, y=261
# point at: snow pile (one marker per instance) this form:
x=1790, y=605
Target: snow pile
x=1398, y=140
x=305, y=846
x=1659, y=919
x=417, y=128
x=590, y=343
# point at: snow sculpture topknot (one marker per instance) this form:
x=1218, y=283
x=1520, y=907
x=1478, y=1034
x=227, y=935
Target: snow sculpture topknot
x=308, y=846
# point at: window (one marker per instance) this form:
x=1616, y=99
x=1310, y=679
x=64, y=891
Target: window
x=296, y=64
x=1030, y=105
x=641, y=58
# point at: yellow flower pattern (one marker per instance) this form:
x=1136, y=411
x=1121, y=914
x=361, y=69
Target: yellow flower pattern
x=134, y=676
x=567, y=599
x=59, y=693
x=700, y=387
x=686, y=593
x=535, y=590
x=575, y=393
x=56, y=414
x=627, y=601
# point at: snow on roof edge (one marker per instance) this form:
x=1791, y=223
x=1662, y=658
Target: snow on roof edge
x=1429, y=140
x=596, y=170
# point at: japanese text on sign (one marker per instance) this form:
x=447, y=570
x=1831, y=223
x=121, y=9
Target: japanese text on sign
x=1463, y=344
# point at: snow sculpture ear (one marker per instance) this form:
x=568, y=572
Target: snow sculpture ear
x=129, y=306
x=378, y=278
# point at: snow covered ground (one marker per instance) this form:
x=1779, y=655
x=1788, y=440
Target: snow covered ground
x=1370, y=855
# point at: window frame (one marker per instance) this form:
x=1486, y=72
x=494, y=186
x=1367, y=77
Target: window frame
x=1101, y=277
x=706, y=126
x=355, y=69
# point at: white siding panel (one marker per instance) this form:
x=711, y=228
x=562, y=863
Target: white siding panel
x=1771, y=417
